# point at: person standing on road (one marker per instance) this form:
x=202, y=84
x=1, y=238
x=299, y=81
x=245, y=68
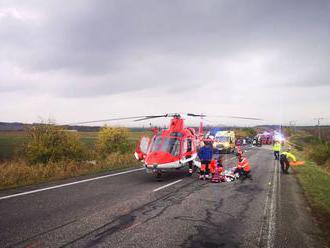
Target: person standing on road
x=205, y=155
x=277, y=149
x=285, y=159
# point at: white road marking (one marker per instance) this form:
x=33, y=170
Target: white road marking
x=167, y=185
x=271, y=220
x=69, y=184
x=270, y=212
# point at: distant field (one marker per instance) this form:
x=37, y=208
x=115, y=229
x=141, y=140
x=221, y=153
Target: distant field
x=11, y=141
x=325, y=132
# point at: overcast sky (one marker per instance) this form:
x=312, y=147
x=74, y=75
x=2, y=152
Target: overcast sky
x=83, y=60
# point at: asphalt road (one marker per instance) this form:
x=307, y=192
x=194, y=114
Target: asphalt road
x=135, y=210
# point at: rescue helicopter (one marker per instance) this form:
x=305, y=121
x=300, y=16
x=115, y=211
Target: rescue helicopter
x=170, y=149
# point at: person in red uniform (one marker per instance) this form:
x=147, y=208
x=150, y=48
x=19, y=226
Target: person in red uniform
x=216, y=169
x=243, y=166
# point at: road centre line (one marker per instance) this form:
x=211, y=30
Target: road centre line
x=167, y=185
x=69, y=184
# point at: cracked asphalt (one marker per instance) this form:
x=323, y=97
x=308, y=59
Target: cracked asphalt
x=124, y=211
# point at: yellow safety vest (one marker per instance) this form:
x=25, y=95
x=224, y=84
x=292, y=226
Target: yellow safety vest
x=290, y=156
x=277, y=147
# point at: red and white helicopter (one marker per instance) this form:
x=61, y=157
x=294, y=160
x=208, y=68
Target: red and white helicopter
x=170, y=149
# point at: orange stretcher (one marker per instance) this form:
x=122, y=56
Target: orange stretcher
x=297, y=163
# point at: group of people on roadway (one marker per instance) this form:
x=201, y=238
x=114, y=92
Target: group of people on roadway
x=211, y=168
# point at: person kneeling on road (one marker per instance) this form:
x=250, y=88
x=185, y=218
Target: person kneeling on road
x=243, y=166
x=205, y=155
x=285, y=159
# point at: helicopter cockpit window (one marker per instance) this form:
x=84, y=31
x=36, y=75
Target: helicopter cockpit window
x=165, y=144
x=171, y=145
x=176, y=134
x=156, y=144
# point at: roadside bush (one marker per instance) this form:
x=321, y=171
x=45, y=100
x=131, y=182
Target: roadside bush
x=251, y=132
x=49, y=143
x=112, y=140
x=318, y=152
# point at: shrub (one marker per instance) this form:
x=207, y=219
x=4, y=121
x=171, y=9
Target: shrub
x=113, y=139
x=49, y=143
x=319, y=152
x=250, y=132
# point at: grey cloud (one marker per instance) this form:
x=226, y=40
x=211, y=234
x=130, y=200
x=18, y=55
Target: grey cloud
x=107, y=47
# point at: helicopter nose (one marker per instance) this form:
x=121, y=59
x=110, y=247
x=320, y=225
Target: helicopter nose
x=159, y=158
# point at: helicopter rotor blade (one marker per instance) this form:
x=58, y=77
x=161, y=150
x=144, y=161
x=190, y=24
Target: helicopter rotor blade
x=150, y=117
x=196, y=115
x=104, y=120
x=237, y=117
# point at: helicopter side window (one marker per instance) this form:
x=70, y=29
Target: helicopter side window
x=144, y=143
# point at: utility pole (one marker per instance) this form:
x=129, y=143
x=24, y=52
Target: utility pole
x=319, y=125
x=292, y=125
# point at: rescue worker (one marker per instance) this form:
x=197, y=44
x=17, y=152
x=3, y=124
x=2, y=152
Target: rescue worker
x=285, y=159
x=277, y=149
x=243, y=166
x=216, y=168
x=205, y=155
x=189, y=152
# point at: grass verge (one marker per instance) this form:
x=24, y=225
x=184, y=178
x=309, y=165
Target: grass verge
x=18, y=173
x=315, y=182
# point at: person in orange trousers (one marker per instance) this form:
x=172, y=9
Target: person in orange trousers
x=243, y=166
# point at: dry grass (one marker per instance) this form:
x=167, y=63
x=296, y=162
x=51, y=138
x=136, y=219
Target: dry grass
x=19, y=173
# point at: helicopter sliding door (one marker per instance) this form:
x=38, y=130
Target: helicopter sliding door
x=142, y=148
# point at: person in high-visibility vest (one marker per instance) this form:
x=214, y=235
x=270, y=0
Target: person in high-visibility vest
x=277, y=149
x=243, y=166
x=285, y=159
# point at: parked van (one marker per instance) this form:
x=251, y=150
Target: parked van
x=224, y=141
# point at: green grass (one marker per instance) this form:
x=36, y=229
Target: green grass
x=316, y=184
x=11, y=143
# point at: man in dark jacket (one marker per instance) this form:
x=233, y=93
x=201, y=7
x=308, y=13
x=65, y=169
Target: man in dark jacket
x=205, y=155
